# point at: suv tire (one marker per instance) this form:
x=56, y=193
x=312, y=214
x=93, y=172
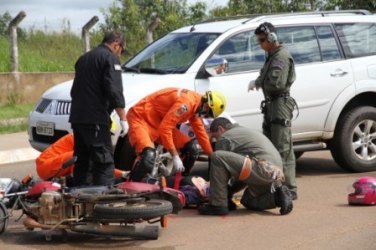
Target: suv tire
x=298, y=154
x=357, y=127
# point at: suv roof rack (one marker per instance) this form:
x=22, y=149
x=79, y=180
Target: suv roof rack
x=224, y=18
x=253, y=16
x=322, y=13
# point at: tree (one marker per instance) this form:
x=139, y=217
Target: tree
x=350, y=4
x=134, y=17
x=246, y=7
x=4, y=23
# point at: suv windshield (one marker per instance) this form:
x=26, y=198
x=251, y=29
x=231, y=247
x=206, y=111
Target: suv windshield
x=173, y=53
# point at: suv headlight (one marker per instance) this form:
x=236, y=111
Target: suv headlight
x=51, y=108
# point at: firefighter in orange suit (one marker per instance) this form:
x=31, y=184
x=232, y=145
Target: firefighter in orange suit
x=52, y=158
x=155, y=119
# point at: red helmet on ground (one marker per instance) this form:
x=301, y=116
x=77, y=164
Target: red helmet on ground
x=364, y=193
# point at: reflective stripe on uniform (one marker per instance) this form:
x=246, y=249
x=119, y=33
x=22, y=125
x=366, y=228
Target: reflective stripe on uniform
x=246, y=169
x=178, y=93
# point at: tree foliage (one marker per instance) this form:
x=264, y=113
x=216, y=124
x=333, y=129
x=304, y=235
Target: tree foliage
x=134, y=16
x=351, y=4
x=4, y=23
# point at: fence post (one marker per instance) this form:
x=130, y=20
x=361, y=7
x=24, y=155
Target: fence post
x=13, y=40
x=85, y=32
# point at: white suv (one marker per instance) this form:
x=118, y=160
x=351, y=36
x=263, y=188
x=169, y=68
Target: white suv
x=335, y=88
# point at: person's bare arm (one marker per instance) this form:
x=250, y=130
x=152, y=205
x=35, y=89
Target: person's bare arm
x=121, y=113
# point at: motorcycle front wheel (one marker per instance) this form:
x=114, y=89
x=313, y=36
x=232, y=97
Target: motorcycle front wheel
x=143, y=209
x=4, y=217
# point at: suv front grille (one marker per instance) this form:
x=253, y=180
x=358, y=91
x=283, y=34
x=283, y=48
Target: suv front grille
x=43, y=105
x=63, y=108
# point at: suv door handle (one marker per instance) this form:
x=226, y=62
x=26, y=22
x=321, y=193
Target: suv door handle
x=338, y=72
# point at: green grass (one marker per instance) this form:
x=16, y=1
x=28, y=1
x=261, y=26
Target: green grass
x=9, y=111
x=45, y=52
x=4, y=55
x=49, y=53
x=8, y=129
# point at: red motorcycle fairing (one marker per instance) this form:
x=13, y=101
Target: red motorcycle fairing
x=176, y=197
x=38, y=188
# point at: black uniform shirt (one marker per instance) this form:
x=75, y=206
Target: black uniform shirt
x=97, y=87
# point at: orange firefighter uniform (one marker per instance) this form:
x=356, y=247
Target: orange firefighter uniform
x=52, y=158
x=155, y=119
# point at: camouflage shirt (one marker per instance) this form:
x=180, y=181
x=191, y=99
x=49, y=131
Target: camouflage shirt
x=278, y=72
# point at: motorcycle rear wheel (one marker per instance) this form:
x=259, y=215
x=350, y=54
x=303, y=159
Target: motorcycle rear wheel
x=148, y=209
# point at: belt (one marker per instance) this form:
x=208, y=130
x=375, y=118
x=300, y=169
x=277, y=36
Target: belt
x=246, y=169
x=273, y=97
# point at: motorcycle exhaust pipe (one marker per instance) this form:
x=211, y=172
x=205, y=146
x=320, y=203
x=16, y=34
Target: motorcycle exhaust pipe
x=30, y=223
x=146, y=232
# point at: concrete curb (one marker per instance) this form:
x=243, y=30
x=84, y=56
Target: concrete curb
x=18, y=155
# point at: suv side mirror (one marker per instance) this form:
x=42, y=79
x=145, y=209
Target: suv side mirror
x=216, y=66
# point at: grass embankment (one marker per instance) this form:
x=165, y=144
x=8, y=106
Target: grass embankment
x=40, y=52
x=13, y=117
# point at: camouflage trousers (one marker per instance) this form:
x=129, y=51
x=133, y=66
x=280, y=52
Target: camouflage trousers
x=277, y=127
x=262, y=179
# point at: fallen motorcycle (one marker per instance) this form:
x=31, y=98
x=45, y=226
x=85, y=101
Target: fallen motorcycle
x=99, y=210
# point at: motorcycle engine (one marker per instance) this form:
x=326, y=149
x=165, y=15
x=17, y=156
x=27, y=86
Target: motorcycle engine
x=50, y=208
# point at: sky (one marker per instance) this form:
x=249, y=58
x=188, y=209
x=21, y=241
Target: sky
x=50, y=15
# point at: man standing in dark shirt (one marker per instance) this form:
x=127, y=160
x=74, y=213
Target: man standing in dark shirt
x=97, y=90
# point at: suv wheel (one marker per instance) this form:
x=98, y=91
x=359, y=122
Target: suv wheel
x=354, y=142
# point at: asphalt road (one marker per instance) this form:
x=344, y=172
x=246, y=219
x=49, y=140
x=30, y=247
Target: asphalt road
x=321, y=219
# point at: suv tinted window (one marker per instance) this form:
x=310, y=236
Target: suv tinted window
x=328, y=45
x=242, y=52
x=301, y=42
x=358, y=39
x=173, y=53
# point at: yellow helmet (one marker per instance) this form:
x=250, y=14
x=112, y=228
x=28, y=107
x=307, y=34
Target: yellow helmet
x=216, y=102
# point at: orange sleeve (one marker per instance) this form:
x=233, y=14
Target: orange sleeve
x=52, y=158
x=173, y=117
x=64, y=144
x=201, y=135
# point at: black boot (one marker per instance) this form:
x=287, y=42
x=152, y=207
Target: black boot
x=283, y=199
x=236, y=186
x=294, y=195
x=145, y=165
x=189, y=154
x=208, y=209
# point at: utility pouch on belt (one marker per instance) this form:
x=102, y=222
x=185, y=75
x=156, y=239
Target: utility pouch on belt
x=101, y=154
x=282, y=122
x=263, y=107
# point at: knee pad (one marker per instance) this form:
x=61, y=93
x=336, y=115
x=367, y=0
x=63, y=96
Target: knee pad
x=145, y=165
x=190, y=153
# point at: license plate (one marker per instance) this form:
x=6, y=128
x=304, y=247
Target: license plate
x=45, y=128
